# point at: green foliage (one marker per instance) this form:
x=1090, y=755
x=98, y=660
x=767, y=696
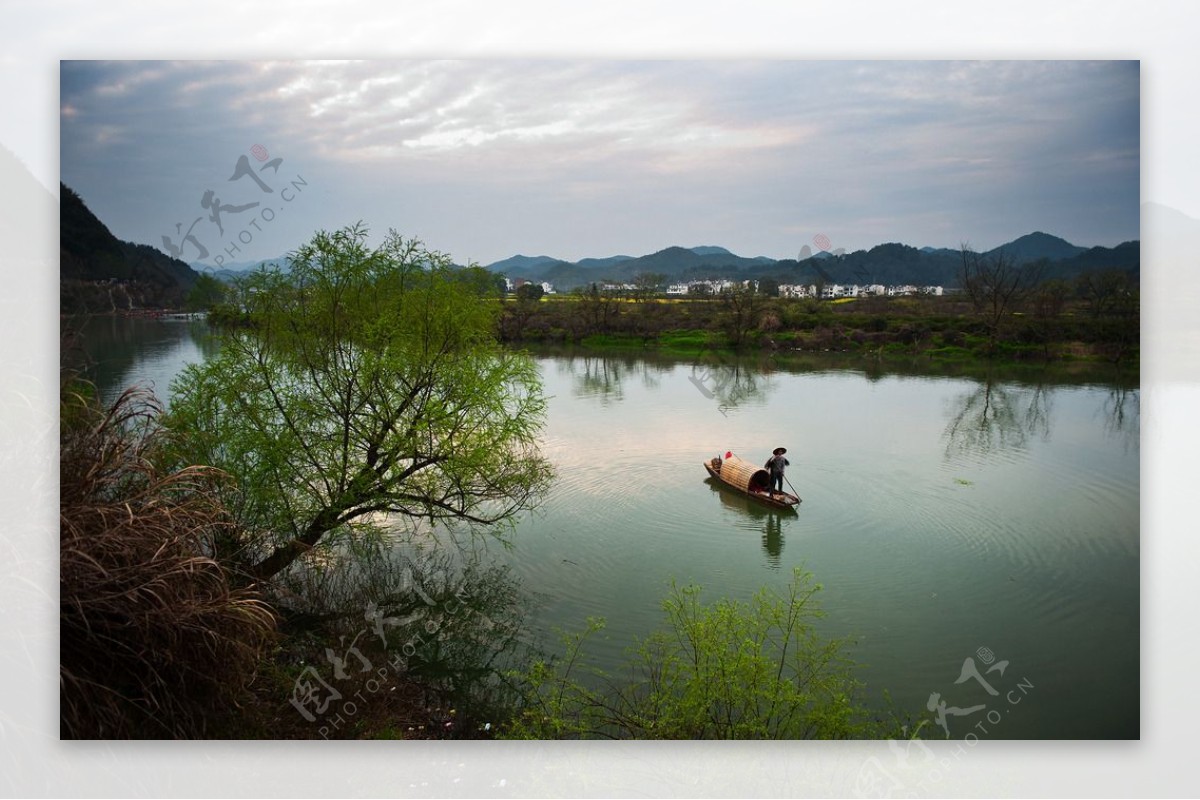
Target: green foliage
x=530, y=292
x=367, y=383
x=725, y=670
x=480, y=281
x=686, y=340
x=205, y=293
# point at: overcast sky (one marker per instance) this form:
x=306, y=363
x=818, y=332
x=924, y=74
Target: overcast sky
x=484, y=159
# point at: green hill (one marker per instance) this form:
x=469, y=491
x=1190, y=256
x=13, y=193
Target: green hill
x=99, y=272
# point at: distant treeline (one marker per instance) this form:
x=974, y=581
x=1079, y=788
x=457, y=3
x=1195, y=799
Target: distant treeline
x=1060, y=320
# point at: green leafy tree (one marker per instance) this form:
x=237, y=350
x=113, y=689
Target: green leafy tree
x=205, y=293
x=480, y=281
x=531, y=292
x=367, y=389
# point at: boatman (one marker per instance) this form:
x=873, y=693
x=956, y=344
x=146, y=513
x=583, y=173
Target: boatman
x=775, y=465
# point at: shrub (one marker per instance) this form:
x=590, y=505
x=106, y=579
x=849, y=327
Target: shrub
x=154, y=637
x=729, y=670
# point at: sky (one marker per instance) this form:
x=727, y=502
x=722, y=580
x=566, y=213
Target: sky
x=488, y=158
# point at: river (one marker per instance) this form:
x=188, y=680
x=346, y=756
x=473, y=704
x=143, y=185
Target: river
x=976, y=534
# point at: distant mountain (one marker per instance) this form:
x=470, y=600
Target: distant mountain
x=888, y=264
x=236, y=266
x=99, y=272
x=521, y=263
x=234, y=270
x=679, y=260
x=1125, y=256
x=1033, y=246
x=602, y=263
x=894, y=264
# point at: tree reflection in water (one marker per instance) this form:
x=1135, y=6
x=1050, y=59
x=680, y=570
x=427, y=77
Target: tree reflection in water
x=996, y=416
x=604, y=376
x=1122, y=415
x=731, y=382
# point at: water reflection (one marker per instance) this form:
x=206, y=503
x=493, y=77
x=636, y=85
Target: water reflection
x=772, y=539
x=995, y=417
x=752, y=515
x=604, y=376
x=1122, y=415
x=731, y=382
x=117, y=352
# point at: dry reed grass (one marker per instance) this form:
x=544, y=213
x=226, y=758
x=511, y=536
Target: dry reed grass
x=156, y=638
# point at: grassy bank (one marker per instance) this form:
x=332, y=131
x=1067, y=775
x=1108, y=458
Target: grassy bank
x=942, y=329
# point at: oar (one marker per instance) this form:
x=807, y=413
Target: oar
x=793, y=488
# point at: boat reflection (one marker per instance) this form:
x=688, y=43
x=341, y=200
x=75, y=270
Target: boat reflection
x=753, y=515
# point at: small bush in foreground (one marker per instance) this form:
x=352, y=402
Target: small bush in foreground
x=726, y=670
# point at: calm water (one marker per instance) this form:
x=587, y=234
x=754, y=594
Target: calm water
x=942, y=514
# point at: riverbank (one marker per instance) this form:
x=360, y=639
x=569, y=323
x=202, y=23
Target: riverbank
x=940, y=329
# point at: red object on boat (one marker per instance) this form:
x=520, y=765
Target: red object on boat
x=728, y=454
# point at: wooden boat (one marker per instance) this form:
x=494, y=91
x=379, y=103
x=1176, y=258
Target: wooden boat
x=750, y=480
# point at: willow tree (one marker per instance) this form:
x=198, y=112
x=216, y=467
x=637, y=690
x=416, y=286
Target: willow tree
x=368, y=388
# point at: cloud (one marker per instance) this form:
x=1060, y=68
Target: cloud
x=735, y=152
